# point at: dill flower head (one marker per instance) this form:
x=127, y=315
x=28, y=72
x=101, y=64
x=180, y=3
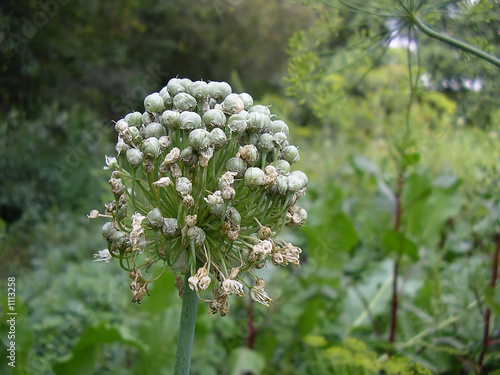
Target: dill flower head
x=202, y=184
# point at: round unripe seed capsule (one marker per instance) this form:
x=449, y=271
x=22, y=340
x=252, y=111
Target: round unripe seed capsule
x=214, y=118
x=254, y=177
x=280, y=186
x=261, y=109
x=294, y=183
x=282, y=167
x=155, y=130
x=258, y=121
x=199, y=139
x=151, y=147
x=170, y=119
x=148, y=117
x=121, y=126
x=237, y=123
x=134, y=118
x=237, y=165
x=121, y=147
x=155, y=218
x=167, y=99
x=233, y=216
x=184, y=102
x=281, y=139
x=198, y=90
x=247, y=100
x=291, y=154
x=302, y=176
x=154, y=103
x=135, y=134
x=170, y=227
x=188, y=156
x=183, y=185
x=250, y=154
x=279, y=126
x=218, y=138
x=189, y=121
x=218, y=90
x=232, y=104
x=134, y=157
x=266, y=142
x=108, y=230
x=178, y=85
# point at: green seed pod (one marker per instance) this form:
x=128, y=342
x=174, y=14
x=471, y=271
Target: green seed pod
x=122, y=212
x=189, y=121
x=291, y=154
x=134, y=157
x=183, y=185
x=302, y=176
x=214, y=118
x=188, y=156
x=218, y=138
x=117, y=187
x=250, y=154
x=248, y=138
x=135, y=134
x=121, y=147
x=155, y=218
x=167, y=99
x=193, y=233
x=237, y=123
x=155, y=130
x=261, y=109
x=148, y=117
x=247, y=100
x=120, y=240
x=294, y=183
x=281, y=139
x=154, y=103
x=233, y=216
x=199, y=139
x=134, y=118
x=258, y=121
x=170, y=227
x=108, y=230
x=280, y=186
x=266, y=142
x=121, y=126
x=198, y=90
x=232, y=104
x=218, y=90
x=237, y=165
x=184, y=102
x=254, y=177
x=170, y=119
x=178, y=85
x=282, y=167
x=151, y=147
x=217, y=209
x=279, y=126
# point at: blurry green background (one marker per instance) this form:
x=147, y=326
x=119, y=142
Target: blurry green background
x=70, y=68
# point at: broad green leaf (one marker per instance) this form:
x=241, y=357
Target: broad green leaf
x=417, y=187
x=244, y=360
x=395, y=242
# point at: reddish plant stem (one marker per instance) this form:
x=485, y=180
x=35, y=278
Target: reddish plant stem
x=397, y=224
x=487, y=313
x=250, y=325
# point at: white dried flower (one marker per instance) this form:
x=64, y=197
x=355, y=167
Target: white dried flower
x=137, y=232
x=230, y=286
x=193, y=283
x=227, y=179
x=103, y=255
x=111, y=163
x=258, y=294
x=163, y=182
x=204, y=282
x=215, y=198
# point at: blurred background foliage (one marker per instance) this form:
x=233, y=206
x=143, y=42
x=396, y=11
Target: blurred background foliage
x=388, y=186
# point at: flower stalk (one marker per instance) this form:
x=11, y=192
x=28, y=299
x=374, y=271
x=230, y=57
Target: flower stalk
x=186, y=329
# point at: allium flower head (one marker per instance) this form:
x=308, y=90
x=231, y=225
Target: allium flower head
x=202, y=176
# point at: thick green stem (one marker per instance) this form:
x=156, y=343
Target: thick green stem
x=429, y=31
x=186, y=330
